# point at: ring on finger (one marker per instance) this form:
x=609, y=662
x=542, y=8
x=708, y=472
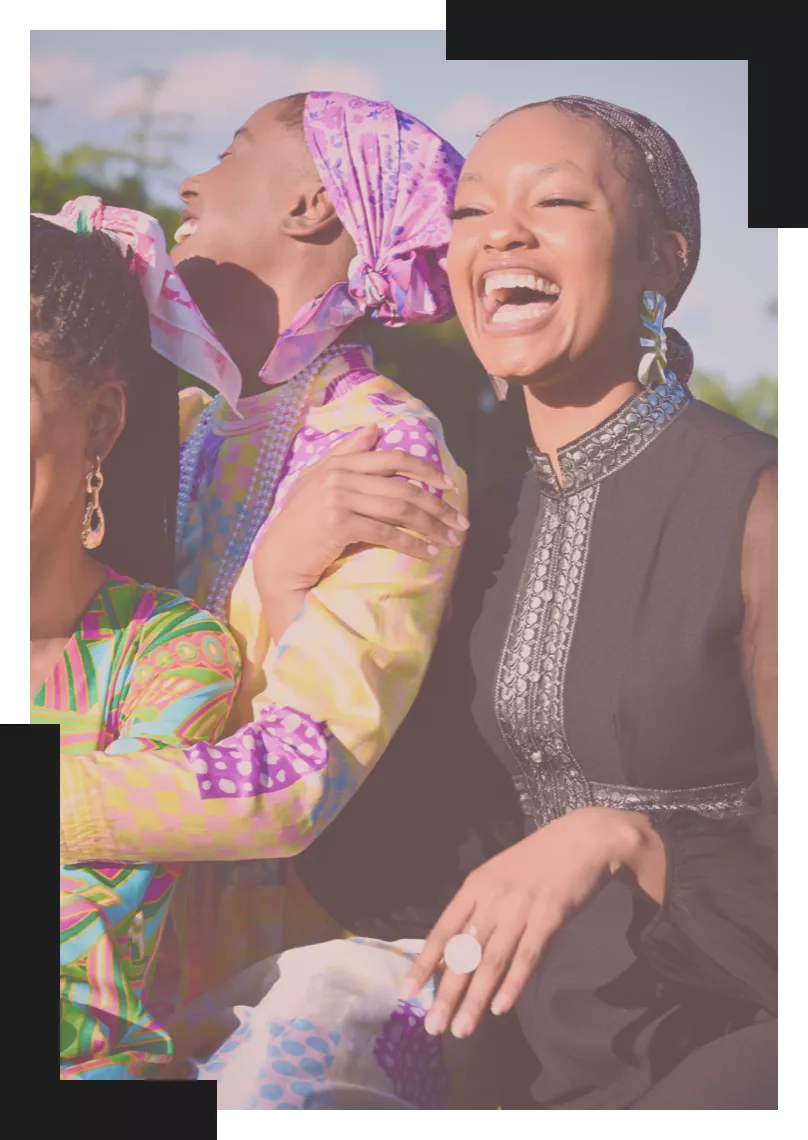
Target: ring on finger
x=463, y=952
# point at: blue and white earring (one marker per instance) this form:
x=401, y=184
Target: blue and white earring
x=653, y=341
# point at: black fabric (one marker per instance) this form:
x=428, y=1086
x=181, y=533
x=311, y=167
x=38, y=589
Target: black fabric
x=655, y=696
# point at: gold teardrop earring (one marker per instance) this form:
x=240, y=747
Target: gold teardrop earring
x=93, y=536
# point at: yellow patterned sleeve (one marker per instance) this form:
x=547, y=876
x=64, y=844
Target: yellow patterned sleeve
x=325, y=703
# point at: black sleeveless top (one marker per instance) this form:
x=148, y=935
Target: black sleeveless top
x=592, y=656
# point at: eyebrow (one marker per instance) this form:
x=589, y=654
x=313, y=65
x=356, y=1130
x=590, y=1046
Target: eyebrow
x=547, y=168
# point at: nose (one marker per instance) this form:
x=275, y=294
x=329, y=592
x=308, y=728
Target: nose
x=506, y=234
x=189, y=189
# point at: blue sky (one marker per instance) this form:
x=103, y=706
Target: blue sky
x=216, y=79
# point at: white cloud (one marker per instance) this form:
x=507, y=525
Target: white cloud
x=466, y=115
x=60, y=74
x=222, y=89
x=327, y=75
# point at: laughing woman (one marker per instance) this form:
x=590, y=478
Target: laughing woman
x=114, y=663
x=611, y=655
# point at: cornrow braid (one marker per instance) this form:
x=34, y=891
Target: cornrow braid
x=89, y=317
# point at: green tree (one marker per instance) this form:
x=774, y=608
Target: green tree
x=755, y=402
x=119, y=175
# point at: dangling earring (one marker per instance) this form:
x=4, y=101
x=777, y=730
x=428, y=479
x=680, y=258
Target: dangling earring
x=653, y=342
x=93, y=536
x=500, y=387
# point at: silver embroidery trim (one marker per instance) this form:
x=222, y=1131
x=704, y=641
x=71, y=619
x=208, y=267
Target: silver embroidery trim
x=718, y=801
x=529, y=687
x=615, y=442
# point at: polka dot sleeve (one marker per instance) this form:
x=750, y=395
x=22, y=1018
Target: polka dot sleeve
x=336, y=689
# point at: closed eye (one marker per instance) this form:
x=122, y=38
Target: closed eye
x=223, y=156
x=465, y=212
x=561, y=202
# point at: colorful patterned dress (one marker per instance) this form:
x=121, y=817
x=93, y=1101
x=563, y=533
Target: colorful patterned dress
x=313, y=713
x=145, y=671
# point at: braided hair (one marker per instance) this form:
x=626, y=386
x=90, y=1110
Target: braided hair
x=89, y=317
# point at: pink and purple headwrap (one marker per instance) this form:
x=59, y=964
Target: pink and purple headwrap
x=392, y=182
x=179, y=332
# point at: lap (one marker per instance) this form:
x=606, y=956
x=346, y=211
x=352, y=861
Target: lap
x=323, y=1027
x=737, y=1071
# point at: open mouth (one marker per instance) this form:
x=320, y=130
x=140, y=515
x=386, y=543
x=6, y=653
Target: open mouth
x=516, y=297
x=185, y=230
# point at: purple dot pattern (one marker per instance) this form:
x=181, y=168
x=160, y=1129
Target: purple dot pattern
x=281, y=747
x=406, y=433
x=412, y=1060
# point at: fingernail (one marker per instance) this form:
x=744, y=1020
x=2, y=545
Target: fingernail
x=433, y=1023
x=499, y=1006
x=454, y=538
x=463, y=522
x=461, y=1027
x=433, y=551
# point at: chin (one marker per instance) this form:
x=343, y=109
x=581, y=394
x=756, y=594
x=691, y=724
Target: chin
x=517, y=361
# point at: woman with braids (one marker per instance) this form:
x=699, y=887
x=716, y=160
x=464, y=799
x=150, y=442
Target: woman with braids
x=609, y=672
x=116, y=663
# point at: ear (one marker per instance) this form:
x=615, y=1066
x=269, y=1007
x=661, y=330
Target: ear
x=106, y=417
x=669, y=253
x=313, y=213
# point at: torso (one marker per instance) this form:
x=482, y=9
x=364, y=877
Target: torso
x=594, y=641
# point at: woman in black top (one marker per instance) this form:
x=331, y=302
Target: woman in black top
x=612, y=644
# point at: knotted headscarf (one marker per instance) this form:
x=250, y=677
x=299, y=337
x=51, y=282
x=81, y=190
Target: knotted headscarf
x=179, y=332
x=678, y=196
x=392, y=181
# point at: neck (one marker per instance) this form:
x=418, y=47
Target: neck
x=64, y=579
x=564, y=412
x=248, y=312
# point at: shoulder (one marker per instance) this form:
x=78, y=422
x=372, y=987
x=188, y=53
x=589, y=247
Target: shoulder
x=193, y=402
x=166, y=622
x=367, y=397
x=725, y=436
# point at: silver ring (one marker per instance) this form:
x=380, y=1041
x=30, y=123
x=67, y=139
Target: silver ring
x=463, y=952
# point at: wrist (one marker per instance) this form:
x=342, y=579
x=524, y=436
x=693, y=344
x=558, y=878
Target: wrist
x=639, y=853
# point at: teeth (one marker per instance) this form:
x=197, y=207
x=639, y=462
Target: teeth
x=522, y=279
x=513, y=314
x=185, y=230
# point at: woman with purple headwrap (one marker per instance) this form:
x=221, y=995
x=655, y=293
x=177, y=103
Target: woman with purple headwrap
x=599, y=723
x=324, y=209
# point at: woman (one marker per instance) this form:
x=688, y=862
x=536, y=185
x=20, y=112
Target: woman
x=612, y=651
x=356, y=226
x=116, y=664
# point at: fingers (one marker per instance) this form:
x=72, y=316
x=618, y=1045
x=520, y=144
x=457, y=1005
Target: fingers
x=449, y=995
x=405, y=493
x=451, y=922
x=391, y=463
x=530, y=949
x=359, y=531
x=498, y=952
x=400, y=513
x=362, y=440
